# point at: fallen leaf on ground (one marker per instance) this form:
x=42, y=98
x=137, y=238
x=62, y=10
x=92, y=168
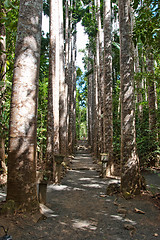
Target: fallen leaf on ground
x=115, y=202
x=129, y=227
x=139, y=211
x=132, y=232
x=122, y=211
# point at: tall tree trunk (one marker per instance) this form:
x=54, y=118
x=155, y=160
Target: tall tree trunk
x=130, y=172
x=62, y=87
x=100, y=78
x=53, y=92
x=70, y=90
x=21, y=185
x=74, y=90
x=67, y=48
x=2, y=87
x=95, y=92
x=72, y=83
x=151, y=99
x=95, y=110
x=138, y=84
x=107, y=109
x=90, y=98
x=151, y=91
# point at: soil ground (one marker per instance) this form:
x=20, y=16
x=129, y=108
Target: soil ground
x=79, y=209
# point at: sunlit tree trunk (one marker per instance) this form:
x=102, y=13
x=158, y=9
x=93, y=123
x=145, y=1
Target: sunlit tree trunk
x=99, y=77
x=2, y=85
x=72, y=81
x=130, y=172
x=21, y=185
x=74, y=89
x=70, y=99
x=72, y=85
x=107, y=109
x=67, y=48
x=53, y=91
x=70, y=90
x=90, y=96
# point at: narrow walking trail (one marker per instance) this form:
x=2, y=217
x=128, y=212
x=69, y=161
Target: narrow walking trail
x=78, y=209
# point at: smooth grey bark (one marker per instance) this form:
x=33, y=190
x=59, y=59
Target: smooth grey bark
x=21, y=184
x=107, y=106
x=130, y=171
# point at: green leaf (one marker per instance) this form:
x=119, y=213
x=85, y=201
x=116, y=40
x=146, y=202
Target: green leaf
x=7, y=3
x=2, y=83
x=117, y=45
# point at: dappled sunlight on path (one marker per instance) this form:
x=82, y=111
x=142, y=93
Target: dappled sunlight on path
x=79, y=209
x=83, y=209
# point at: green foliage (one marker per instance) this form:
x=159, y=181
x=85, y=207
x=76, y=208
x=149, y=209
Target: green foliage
x=147, y=24
x=81, y=105
x=5, y=96
x=77, y=12
x=115, y=62
x=46, y=7
x=9, y=17
x=43, y=98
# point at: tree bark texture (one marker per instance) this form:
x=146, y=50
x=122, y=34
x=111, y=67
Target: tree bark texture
x=2, y=78
x=138, y=84
x=74, y=90
x=67, y=49
x=152, y=100
x=130, y=175
x=90, y=99
x=62, y=87
x=21, y=185
x=95, y=110
x=107, y=108
x=70, y=94
x=99, y=77
x=53, y=91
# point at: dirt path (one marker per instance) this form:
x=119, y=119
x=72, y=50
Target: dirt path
x=78, y=209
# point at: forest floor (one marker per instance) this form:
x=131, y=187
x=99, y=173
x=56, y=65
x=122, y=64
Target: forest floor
x=79, y=209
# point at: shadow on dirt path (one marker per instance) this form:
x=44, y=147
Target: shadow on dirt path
x=79, y=209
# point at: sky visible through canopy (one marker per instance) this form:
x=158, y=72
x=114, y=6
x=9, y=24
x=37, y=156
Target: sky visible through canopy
x=82, y=39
